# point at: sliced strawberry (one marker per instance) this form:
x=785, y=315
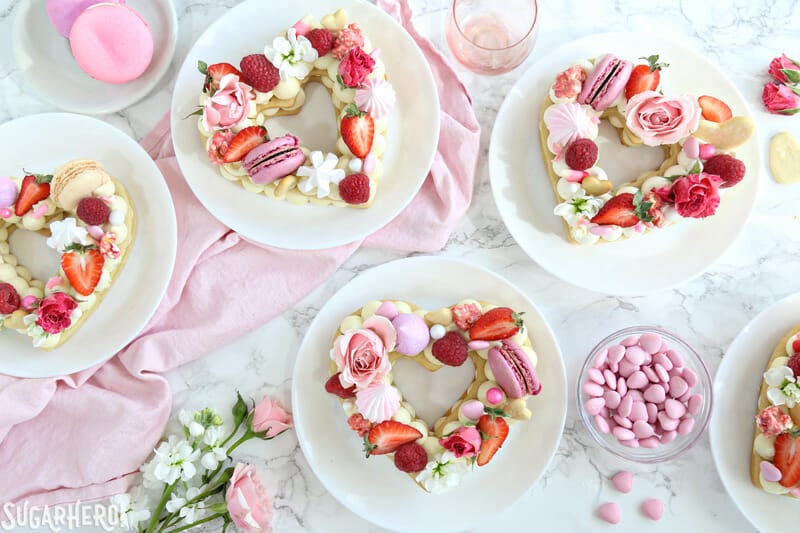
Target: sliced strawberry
x=496, y=324
x=494, y=430
x=334, y=386
x=358, y=131
x=625, y=210
x=244, y=141
x=34, y=189
x=645, y=77
x=714, y=109
x=787, y=459
x=387, y=436
x=214, y=73
x=83, y=266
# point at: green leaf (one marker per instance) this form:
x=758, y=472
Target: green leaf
x=40, y=178
x=641, y=209
x=792, y=75
x=652, y=62
x=352, y=111
x=219, y=507
x=341, y=81
x=81, y=248
x=202, y=66
x=790, y=111
x=495, y=412
x=198, y=112
x=239, y=410
x=696, y=168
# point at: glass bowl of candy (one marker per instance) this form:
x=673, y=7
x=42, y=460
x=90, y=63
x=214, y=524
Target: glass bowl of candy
x=645, y=394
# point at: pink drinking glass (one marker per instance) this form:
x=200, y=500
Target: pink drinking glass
x=492, y=36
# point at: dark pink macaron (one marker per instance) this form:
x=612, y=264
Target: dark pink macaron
x=274, y=159
x=513, y=370
x=605, y=82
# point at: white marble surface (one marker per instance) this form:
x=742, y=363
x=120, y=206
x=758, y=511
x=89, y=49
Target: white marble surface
x=709, y=311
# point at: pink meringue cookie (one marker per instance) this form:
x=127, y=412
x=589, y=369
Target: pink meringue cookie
x=413, y=333
x=8, y=191
x=376, y=97
x=567, y=123
x=378, y=402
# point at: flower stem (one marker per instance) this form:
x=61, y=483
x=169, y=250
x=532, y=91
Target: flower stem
x=197, y=523
x=244, y=438
x=157, y=513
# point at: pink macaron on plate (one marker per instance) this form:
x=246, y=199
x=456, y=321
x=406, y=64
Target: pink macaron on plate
x=43, y=53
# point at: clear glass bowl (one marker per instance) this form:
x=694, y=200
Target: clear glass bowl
x=681, y=443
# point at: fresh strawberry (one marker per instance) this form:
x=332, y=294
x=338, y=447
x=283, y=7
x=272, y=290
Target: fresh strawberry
x=494, y=430
x=624, y=210
x=214, y=73
x=645, y=77
x=334, y=386
x=355, y=189
x=387, y=436
x=259, y=72
x=794, y=364
x=244, y=141
x=496, y=324
x=358, y=131
x=83, y=266
x=34, y=189
x=787, y=458
x=321, y=39
x=714, y=109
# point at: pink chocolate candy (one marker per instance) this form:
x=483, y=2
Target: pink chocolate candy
x=654, y=393
x=596, y=376
x=650, y=343
x=623, y=421
x=594, y=405
x=601, y=423
x=653, y=508
x=638, y=411
x=611, y=379
x=629, y=341
x=623, y=481
x=622, y=387
x=609, y=512
x=642, y=429
x=663, y=360
x=600, y=359
x=616, y=353
x=635, y=355
x=592, y=389
x=611, y=398
x=637, y=380
x=677, y=386
x=695, y=403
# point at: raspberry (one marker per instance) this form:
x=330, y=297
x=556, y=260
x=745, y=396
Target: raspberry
x=355, y=188
x=261, y=74
x=9, y=299
x=347, y=38
x=794, y=364
x=359, y=424
x=451, y=349
x=321, y=39
x=334, y=386
x=727, y=167
x=411, y=457
x=93, y=211
x=465, y=315
x=581, y=154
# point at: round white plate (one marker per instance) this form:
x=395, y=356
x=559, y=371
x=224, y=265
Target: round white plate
x=736, y=387
x=40, y=143
x=525, y=198
x=411, y=140
x=45, y=59
x=374, y=489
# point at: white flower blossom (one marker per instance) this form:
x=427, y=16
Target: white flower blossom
x=442, y=473
x=783, y=388
x=293, y=55
x=133, y=508
x=149, y=480
x=575, y=208
x=175, y=460
x=194, y=427
x=216, y=453
x=189, y=513
x=66, y=232
x=320, y=175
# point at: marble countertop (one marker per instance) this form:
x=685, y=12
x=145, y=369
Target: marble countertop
x=709, y=311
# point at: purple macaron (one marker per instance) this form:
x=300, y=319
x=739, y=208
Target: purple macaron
x=274, y=159
x=513, y=370
x=62, y=13
x=605, y=82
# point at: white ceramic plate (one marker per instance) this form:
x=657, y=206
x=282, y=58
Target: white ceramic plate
x=525, y=198
x=375, y=489
x=411, y=140
x=736, y=389
x=45, y=59
x=40, y=143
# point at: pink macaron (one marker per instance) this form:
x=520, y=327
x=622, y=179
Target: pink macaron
x=274, y=159
x=62, y=13
x=513, y=370
x=111, y=42
x=605, y=82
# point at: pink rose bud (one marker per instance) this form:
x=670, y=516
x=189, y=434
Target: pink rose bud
x=229, y=104
x=249, y=505
x=270, y=416
x=785, y=70
x=463, y=442
x=781, y=99
x=355, y=67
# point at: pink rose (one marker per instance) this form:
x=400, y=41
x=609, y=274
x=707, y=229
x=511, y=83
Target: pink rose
x=463, y=442
x=270, y=416
x=694, y=196
x=659, y=119
x=229, y=105
x=780, y=99
x=248, y=503
x=779, y=65
x=355, y=67
x=55, y=312
x=362, y=355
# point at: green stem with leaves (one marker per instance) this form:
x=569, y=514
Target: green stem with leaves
x=197, y=523
x=157, y=513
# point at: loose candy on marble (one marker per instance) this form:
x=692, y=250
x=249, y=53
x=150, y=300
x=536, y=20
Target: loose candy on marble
x=609, y=512
x=623, y=481
x=653, y=508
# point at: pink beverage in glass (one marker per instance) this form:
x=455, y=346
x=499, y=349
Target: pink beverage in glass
x=491, y=36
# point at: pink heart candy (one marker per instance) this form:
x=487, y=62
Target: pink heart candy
x=770, y=472
x=594, y=405
x=675, y=357
x=629, y=341
x=623, y=481
x=635, y=355
x=691, y=147
x=616, y=353
x=611, y=379
x=387, y=310
x=472, y=409
x=695, y=403
x=600, y=359
x=650, y=343
x=611, y=399
x=596, y=376
x=653, y=508
x=609, y=512
x=601, y=423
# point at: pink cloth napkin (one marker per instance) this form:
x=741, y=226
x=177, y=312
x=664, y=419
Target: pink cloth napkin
x=79, y=437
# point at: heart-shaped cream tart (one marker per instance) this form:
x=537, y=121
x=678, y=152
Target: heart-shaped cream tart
x=88, y=218
x=237, y=102
x=474, y=428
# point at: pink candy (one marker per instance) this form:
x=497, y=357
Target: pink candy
x=640, y=392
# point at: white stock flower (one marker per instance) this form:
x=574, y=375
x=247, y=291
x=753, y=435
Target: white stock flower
x=194, y=427
x=133, y=508
x=215, y=452
x=783, y=388
x=175, y=459
x=293, y=55
x=443, y=473
x=149, y=480
x=580, y=206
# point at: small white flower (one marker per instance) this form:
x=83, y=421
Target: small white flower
x=175, y=459
x=783, y=388
x=194, y=427
x=578, y=207
x=176, y=502
x=148, y=476
x=215, y=453
x=133, y=508
x=293, y=56
x=320, y=175
x=65, y=232
x=442, y=473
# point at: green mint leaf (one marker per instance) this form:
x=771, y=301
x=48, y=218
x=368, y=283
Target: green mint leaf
x=202, y=67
